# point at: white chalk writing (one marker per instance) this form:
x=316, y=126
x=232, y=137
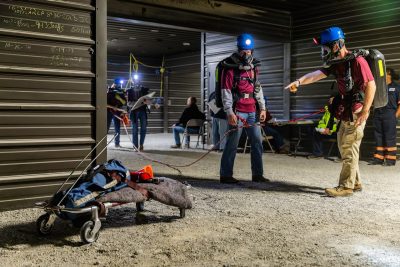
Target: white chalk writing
x=44, y=13
x=16, y=45
x=64, y=61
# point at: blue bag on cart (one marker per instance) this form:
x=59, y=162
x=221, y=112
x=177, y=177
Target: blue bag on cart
x=99, y=181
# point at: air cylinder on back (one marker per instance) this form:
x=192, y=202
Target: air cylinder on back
x=376, y=62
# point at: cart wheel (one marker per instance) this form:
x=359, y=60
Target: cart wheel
x=139, y=206
x=41, y=226
x=87, y=235
x=182, y=212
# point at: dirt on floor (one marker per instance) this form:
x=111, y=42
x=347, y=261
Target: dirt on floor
x=288, y=222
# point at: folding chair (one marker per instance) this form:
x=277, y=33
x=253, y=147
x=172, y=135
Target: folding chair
x=264, y=137
x=194, y=123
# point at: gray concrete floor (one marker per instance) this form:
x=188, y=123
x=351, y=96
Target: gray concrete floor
x=288, y=222
x=161, y=141
x=358, y=230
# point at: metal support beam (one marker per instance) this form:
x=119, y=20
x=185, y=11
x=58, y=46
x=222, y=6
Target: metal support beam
x=286, y=80
x=204, y=91
x=100, y=115
x=166, y=104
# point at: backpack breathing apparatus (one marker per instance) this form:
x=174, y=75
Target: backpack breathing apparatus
x=376, y=61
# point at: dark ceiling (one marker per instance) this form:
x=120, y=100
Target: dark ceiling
x=125, y=36
x=266, y=17
x=284, y=5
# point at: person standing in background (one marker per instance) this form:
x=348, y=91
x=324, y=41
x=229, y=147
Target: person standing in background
x=138, y=116
x=385, y=122
x=219, y=124
x=116, y=99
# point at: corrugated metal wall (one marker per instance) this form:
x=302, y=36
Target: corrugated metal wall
x=367, y=24
x=183, y=81
x=118, y=67
x=47, y=95
x=271, y=54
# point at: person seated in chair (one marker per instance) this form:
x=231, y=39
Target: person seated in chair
x=326, y=129
x=191, y=112
x=277, y=142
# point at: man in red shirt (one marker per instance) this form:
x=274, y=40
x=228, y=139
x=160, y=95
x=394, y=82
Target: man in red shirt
x=357, y=89
x=240, y=92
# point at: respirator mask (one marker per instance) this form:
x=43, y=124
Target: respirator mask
x=246, y=58
x=327, y=53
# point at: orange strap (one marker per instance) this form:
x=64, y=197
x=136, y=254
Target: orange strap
x=390, y=157
x=379, y=156
x=379, y=148
x=392, y=148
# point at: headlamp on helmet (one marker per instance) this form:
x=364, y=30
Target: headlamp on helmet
x=118, y=81
x=245, y=42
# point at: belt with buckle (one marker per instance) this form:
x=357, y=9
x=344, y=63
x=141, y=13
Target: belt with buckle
x=246, y=95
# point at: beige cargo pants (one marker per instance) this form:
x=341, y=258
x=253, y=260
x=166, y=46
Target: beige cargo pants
x=349, y=140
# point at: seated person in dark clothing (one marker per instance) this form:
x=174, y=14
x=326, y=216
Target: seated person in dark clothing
x=277, y=142
x=326, y=129
x=191, y=112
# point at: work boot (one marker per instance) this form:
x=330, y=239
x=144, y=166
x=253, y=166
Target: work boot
x=357, y=187
x=227, y=180
x=117, y=145
x=259, y=179
x=339, y=191
x=176, y=146
x=141, y=148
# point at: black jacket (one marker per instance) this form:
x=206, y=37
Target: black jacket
x=134, y=93
x=189, y=113
x=393, y=96
x=116, y=97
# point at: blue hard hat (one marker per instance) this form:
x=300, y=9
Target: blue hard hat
x=118, y=81
x=330, y=35
x=245, y=42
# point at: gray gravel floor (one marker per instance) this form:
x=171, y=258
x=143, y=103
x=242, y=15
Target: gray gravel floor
x=288, y=222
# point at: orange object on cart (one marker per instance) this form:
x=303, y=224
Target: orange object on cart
x=143, y=175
